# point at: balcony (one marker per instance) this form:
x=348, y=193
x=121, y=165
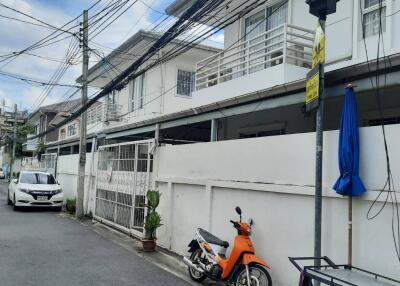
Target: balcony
x=104, y=112
x=283, y=53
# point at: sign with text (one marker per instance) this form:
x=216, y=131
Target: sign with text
x=313, y=88
x=318, y=51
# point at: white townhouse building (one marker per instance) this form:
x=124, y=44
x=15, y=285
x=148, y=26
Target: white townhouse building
x=164, y=89
x=255, y=142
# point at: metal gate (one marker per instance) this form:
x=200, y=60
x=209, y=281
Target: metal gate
x=124, y=175
x=48, y=163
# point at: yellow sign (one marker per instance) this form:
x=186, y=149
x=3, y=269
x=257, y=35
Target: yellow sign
x=312, y=87
x=318, y=51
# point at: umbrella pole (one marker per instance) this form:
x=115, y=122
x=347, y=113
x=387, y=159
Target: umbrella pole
x=350, y=231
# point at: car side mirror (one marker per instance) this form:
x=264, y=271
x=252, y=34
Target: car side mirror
x=15, y=181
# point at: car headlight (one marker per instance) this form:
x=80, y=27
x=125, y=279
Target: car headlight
x=59, y=191
x=24, y=191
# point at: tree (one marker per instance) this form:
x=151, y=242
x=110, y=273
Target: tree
x=40, y=149
x=22, y=133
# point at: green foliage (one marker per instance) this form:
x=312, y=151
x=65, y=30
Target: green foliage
x=153, y=218
x=71, y=206
x=40, y=148
x=22, y=133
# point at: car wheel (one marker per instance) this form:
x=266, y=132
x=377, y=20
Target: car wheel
x=15, y=208
x=9, y=202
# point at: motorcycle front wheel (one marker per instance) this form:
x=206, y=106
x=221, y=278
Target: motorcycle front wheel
x=193, y=273
x=259, y=276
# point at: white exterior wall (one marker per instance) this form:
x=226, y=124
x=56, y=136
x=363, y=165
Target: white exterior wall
x=160, y=91
x=67, y=175
x=344, y=47
x=272, y=179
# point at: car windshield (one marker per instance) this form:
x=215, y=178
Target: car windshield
x=37, y=178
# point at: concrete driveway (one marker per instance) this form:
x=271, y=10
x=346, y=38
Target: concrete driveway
x=43, y=248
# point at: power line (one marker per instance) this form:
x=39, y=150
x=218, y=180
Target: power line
x=34, y=81
x=198, y=9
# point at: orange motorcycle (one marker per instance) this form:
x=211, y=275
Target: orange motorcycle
x=242, y=267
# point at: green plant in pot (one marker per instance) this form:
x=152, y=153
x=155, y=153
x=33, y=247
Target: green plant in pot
x=152, y=221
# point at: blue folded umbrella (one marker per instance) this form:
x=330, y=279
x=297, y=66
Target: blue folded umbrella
x=349, y=182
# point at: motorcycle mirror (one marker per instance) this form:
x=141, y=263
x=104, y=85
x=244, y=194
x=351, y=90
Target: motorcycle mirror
x=238, y=210
x=251, y=222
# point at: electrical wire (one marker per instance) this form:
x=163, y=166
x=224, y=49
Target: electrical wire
x=389, y=186
x=193, y=14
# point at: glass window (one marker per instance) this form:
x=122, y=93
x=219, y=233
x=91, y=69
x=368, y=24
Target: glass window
x=37, y=178
x=372, y=18
x=185, y=83
x=132, y=96
x=277, y=15
x=141, y=91
x=72, y=129
x=254, y=25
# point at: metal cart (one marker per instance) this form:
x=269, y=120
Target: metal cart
x=333, y=274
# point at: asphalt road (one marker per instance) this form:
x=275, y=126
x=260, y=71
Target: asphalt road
x=42, y=248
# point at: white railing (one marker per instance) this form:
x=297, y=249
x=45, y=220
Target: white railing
x=284, y=44
x=104, y=112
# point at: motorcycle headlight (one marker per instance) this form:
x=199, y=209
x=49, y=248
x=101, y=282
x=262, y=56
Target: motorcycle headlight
x=24, y=191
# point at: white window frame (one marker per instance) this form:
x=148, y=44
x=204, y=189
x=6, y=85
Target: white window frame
x=141, y=91
x=192, y=83
x=132, y=93
x=372, y=9
x=75, y=129
x=265, y=10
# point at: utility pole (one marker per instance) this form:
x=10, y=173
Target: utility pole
x=82, y=142
x=14, y=139
x=315, y=98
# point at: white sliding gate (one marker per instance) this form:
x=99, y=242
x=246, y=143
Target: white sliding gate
x=123, y=178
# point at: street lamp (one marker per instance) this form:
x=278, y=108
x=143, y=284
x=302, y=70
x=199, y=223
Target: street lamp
x=320, y=9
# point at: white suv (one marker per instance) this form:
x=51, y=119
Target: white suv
x=35, y=189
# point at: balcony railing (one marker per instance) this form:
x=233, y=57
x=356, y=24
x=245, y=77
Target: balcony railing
x=284, y=44
x=104, y=112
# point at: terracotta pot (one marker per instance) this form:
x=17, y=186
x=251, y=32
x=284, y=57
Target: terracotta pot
x=149, y=245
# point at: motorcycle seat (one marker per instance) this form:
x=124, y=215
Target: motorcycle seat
x=210, y=238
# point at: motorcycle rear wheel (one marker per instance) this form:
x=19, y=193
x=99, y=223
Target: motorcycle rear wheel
x=193, y=273
x=258, y=274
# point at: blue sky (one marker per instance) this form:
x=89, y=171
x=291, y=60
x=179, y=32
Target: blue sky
x=16, y=36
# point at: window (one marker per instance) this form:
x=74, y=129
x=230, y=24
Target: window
x=141, y=91
x=255, y=29
x=112, y=97
x=373, y=16
x=62, y=133
x=136, y=93
x=72, y=129
x=185, y=83
x=276, y=132
x=37, y=178
x=383, y=121
x=132, y=96
x=266, y=20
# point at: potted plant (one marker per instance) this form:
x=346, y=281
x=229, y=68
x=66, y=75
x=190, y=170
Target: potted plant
x=152, y=221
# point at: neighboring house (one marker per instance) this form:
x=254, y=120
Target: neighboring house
x=164, y=89
x=43, y=118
